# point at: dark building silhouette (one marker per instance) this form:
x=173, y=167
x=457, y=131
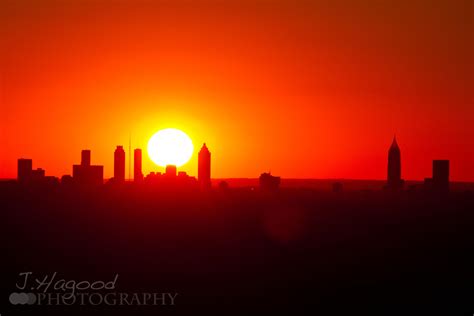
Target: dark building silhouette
x=440, y=180
x=86, y=174
x=170, y=171
x=394, y=169
x=86, y=157
x=25, y=167
x=119, y=164
x=37, y=175
x=269, y=183
x=204, y=167
x=67, y=180
x=26, y=174
x=137, y=165
x=170, y=181
x=428, y=184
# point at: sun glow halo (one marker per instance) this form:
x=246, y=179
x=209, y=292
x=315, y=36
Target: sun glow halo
x=170, y=147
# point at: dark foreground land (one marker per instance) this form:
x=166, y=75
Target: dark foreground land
x=241, y=251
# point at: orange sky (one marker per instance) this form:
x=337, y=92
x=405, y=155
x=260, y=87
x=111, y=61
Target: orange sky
x=304, y=89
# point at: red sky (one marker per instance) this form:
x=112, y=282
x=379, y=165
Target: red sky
x=302, y=88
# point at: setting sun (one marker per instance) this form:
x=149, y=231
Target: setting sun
x=170, y=147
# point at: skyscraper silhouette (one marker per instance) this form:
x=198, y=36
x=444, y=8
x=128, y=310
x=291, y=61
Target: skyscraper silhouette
x=204, y=167
x=137, y=165
x=394, y=170
x=119, y=164
x=25, y=167
x=86, y=157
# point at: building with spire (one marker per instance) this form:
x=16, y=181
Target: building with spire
x=204, y=167
x=394, y=169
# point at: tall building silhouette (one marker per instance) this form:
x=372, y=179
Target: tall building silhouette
x=440, y=180
x=86, y=174
x=119, y=164
x=394, y=169
x=25, y=167
x=204, y=167
x=86, y=157
x=137, y=165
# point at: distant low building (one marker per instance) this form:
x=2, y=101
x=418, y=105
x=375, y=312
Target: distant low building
x=269, y=183
x=171, y=171
x=88, y=175
x=441, y=175
x=37, y=175
x=170, y=180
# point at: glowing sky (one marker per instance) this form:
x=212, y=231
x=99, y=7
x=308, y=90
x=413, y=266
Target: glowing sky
x=302, y=88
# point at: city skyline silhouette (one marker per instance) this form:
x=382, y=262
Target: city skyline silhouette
x=287, y=157
x=86, y=174
x=330, y=82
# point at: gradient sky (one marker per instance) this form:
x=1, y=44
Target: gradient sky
x=306, y=89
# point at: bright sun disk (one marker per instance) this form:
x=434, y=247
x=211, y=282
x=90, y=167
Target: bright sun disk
x=170, y=147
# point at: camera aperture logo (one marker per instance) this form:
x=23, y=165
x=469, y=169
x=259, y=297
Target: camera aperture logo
x=52, y=290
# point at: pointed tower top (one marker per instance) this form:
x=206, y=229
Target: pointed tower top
x=394, y=143
x=204, y=148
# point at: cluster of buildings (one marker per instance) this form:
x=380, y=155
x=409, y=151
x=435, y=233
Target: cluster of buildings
x=173, y=176
x=28, y=175
x=86, y=174
x=439, y=182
